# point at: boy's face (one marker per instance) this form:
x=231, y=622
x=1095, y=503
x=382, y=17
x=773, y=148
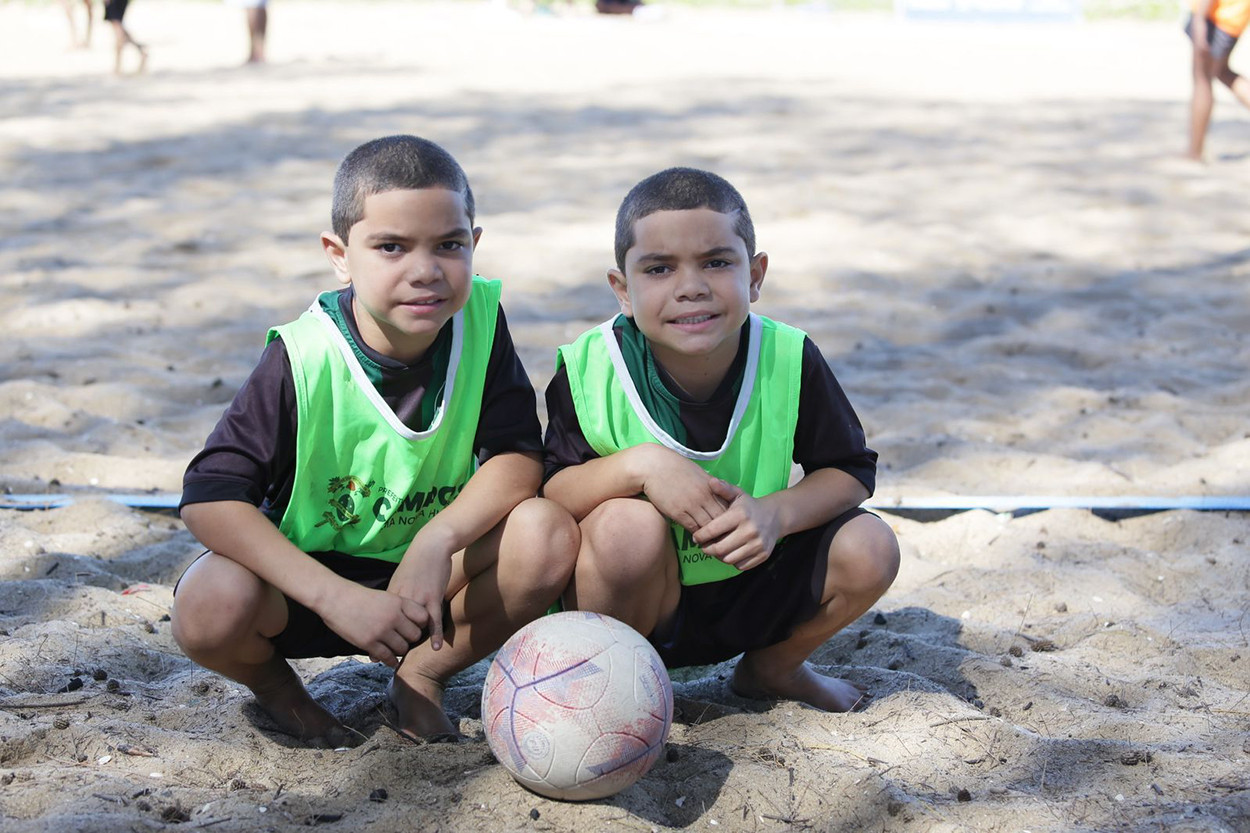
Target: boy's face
x=410, y=260
x=688, y=284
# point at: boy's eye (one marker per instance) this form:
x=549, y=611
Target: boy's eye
x=717, y=263
x=657, y=269
x=451, y=245
x=390, y=248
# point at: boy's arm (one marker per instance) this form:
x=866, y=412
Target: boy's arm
x=677, y=487
x=379, y=623
x=839, y=474
x=745, y=534
x=580, y=488
x=579, y=479
x=492, y=492
x=508, y=444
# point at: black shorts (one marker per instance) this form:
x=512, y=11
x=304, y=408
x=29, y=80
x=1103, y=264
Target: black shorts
x=305, y=634
x=115, y=9
x=1221, y=42
x=761, y=607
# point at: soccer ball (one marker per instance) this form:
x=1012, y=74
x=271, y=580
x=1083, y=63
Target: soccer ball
x=577, y=706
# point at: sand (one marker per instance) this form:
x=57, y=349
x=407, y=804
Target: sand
x=987, y=230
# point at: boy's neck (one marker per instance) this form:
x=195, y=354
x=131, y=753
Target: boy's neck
x=344, y=314
x=387, y=354
x=698, y=378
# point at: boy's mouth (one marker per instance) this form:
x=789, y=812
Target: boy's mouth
x=691, y=320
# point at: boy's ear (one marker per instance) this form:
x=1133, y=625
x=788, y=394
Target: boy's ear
x=336, y=251
x=477, y=235
x=759, y=265
x=616, y=280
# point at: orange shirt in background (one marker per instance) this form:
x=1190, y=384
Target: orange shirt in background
x=1229, y=15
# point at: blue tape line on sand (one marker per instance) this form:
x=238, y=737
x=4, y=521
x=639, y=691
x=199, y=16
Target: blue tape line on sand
x=1017, y=503
x=942, y=503
x=136, y=501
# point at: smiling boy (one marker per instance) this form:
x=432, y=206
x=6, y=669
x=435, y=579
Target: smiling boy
x=672, y=430
x=370, y=490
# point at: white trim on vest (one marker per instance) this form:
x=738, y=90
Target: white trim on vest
x=371, y=392
x=740, y=407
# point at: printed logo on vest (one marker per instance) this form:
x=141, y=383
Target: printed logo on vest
x=352, y=500
x=344, y=493
x=687, y=550
x=406, y=510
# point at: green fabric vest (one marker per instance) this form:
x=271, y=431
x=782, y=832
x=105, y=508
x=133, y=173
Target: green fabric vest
x=759, y=444
x=365, y=483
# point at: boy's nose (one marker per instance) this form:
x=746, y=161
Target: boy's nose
x=690, y=283
x=423, y=269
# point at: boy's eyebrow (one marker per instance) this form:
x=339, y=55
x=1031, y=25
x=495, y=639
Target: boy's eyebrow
x=713, y=252
x=384, y=235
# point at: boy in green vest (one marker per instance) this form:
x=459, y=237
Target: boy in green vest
x=671, y=434
x=371, y=488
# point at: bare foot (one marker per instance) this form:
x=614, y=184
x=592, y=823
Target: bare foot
x=296, y=713
x=419, y=705
x=143, y=59
x=803, y=684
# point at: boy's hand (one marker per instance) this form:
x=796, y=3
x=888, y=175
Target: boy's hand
x=744, y=534
x=679, y=489
x=422, y=577
x=381, y=624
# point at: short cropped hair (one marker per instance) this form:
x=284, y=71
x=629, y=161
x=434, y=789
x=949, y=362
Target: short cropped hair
x=392, y=163
x=680, y=189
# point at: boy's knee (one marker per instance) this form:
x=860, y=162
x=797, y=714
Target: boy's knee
x=865, y=555
x=216, y=601
x=625, y=523
x=549, y=533
x=625, y=537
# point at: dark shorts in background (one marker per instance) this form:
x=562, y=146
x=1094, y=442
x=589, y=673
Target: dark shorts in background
x=115, y=9
x=1221, y=42
x=761, y=607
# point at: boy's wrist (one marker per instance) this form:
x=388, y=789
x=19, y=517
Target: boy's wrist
x=435, y=537
x=320, y=591
x=639, y=465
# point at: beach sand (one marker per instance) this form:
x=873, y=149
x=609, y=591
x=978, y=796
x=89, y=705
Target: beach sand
x=988, y=231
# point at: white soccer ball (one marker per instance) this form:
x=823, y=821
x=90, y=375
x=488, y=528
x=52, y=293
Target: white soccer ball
x=577, y=706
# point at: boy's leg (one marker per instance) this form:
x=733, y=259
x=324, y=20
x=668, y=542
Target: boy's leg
x=862, y=563
x=119, y=43
x=498, y=584
x=627, y=566
x=223, y=619
x=1239, y=86
x=1201, y=103
x=86, y=38
x=121, y=38
x=68, y=6
x=257, y=26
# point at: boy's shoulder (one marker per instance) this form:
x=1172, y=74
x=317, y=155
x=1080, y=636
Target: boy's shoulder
x=779, y=325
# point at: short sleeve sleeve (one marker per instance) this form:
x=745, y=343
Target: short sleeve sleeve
x=564, y=445
x=250, y=454
x=509, y=417
x=829, y=433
